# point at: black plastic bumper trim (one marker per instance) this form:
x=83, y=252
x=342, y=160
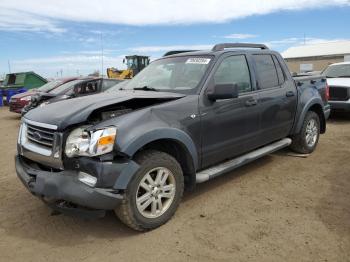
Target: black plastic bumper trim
x=65, y=185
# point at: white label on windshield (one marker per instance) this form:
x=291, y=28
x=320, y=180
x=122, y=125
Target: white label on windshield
x=198, y=60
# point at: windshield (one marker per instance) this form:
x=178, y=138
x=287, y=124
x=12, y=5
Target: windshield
x=337, y=71
x=65, y=87
x=177, y=74
x=131, y=63
x=117, y=87
x=49, y=86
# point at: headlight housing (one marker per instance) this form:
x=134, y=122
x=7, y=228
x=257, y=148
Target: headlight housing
x=26, y=98
x=90, y=143
x=44, y=104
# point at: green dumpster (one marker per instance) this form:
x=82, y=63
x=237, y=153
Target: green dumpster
x=19, y=82
x=24, y=80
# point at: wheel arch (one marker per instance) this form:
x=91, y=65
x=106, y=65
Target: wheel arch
x=314, y=105
x=317, y=108
x=173, y=142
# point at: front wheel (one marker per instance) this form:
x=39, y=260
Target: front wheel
x=154, y=193
x=306, y=141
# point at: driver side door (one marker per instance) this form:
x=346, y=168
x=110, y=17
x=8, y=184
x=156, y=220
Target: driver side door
x=230, y=127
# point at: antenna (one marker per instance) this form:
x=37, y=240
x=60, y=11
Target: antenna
x=8, y=61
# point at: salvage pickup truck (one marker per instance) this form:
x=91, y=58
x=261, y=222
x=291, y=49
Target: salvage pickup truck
x=184, y=119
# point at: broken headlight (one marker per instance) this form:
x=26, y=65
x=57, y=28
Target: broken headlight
x=81, y=142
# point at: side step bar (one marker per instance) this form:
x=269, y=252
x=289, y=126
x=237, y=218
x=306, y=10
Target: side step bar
x=232, y=164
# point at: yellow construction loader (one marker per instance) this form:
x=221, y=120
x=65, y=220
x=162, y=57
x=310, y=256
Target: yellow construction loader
x=134, y=63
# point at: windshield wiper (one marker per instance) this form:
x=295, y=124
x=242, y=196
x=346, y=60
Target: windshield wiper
x=145, y=88
x=343, y=76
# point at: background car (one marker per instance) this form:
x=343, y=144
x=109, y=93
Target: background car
x=17, y=102
x=338, y=79
x=76, y=88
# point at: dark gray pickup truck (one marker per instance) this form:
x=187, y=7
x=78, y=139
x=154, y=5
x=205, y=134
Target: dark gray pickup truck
x=184, y=119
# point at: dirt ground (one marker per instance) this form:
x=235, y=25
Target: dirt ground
x=279, y=208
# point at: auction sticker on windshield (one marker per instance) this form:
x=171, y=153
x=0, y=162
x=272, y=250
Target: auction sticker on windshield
x=198, y=60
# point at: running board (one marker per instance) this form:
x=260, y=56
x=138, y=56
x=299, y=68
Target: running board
x=232, y=164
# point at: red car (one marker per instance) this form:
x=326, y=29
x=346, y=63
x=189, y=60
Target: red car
x=17, y=102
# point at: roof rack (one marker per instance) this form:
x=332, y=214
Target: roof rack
x=221, y=47
x=174, y=52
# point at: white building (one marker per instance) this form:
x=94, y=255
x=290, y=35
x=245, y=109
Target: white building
x=316, y=57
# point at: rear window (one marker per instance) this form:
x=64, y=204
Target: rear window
x=266, y=71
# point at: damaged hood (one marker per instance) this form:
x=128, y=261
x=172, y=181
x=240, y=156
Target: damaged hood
x=73, y=111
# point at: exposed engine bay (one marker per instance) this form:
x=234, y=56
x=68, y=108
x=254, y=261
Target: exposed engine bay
x=125, y=107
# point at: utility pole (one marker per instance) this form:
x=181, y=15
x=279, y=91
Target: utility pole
x=8, y=61
x=61, y=71
x=101, y=54
x=304, y=39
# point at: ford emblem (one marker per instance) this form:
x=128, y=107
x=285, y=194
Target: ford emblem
x=37, y=135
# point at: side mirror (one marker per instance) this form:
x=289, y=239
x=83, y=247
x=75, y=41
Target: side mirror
x=124, y=61
x=223, y=91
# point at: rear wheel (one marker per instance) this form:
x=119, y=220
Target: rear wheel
x=306, y=141
x=154, y=194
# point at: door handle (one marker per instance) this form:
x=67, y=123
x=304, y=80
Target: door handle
x=290, y=94
x=251, y=102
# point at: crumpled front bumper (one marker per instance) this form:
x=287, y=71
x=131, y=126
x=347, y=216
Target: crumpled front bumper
x=16, y=106
x=65, y=186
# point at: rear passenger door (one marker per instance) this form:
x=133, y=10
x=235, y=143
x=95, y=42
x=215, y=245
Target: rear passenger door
x=229, y=127
x=277, y=98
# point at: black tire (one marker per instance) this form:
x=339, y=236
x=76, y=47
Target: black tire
x=299, y=143
x=128, y=212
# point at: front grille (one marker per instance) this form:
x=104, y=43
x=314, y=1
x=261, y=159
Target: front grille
x=14, y=105
x=40, y=136
x=339, y=93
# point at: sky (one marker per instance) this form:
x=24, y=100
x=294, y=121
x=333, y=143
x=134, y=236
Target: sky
x=73, y=37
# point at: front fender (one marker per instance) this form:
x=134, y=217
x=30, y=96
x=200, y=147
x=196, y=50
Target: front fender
x=131, y=147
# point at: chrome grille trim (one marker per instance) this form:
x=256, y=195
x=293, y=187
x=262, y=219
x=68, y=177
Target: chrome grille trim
x=40, y=142
x=34, y=123
x=47, y=150
x=40, y=136
x=40, y=130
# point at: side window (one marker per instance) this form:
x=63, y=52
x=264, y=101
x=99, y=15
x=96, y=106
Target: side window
x=266, y=71
x=279, y=71
x=91, y=88
x=234, y=70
